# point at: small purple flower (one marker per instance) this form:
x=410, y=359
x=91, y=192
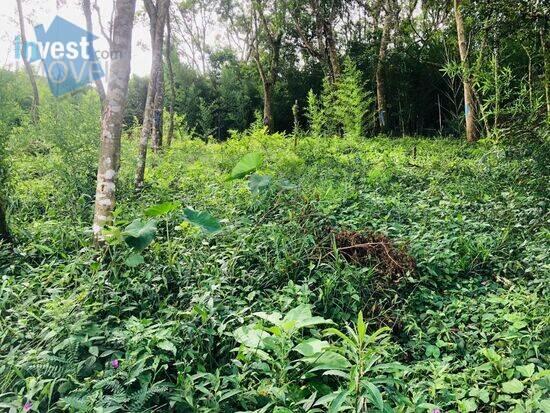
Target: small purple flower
x=27, y=406
x=436, y=410
x=115, y=363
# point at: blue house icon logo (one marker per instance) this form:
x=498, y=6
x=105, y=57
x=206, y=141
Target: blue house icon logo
x=67, y=54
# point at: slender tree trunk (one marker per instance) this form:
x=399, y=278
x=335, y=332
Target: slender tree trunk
x=334, y=60
x=296, y=130
x=28, y=67
x=171, y=79
x=529, y=76
x=156, y=135
x=439, y=112
x=268, y=98
x=86, y=8
x=111, y=125
x=4, y=231
x=497, y=90
x=380, y=78
x=148, y=115
x=544, y=45
x=469, y=106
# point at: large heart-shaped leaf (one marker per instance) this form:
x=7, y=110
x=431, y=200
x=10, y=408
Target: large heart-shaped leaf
x=139, y=234
x=134, y=260
x=248, y=164
x=203, y=219
x=161, y=209
x=258, y=183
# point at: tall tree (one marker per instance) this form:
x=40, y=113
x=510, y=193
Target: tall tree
x=158, y=100
x=111, y=125
x=170, y=79
x=314, y=23
x=87, y=9
x=381, y=63
x=195, y=23
x=158, y=13
x=469, y=106
x=28, y=67
x=269, y=26
x=545, y=47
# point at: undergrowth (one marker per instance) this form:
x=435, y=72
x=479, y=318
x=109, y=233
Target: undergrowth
x=365, y=274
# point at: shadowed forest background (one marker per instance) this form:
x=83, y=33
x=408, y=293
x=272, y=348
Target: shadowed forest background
x=307, y=206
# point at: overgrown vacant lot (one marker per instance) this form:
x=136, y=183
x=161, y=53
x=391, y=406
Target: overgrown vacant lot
x=415, y=268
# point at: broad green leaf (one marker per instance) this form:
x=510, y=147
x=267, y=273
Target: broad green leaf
x=481, y=394
x=134, y=260
x=467, y=405
x=432, y=351
x=161, y=209
x=338, y=402
x=203, y=219
x=273, y=318
x=545, y=405
x=301, y=312
x=279, y=409
x=329, y=360
x=311, y=347
x=300, y=317
x=513, y=386
x=248, y=164
x=258, y=183
x=527, y=370
x=373, y=394
x=167, y=345
x=250, y=336
x=94, y=351
x=139, y=234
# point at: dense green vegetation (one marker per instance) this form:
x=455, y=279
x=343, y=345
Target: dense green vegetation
x=307, y=206
x=276, y=311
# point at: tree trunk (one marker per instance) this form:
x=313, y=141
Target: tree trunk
x=4, y=231
x=469, y=107
x=268, y=98
x=497, y=90
x=111, y=125
x=89, y=27
x=544, y=45
x=148, y=114
x=158, y=103
x=334, y=60
x=380, y=78
x=171, y=79
x=28, y=68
